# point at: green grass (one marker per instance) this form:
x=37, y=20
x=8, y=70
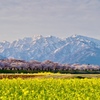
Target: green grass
x=50, y=89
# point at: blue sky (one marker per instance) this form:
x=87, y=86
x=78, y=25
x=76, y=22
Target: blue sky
x=61, y=18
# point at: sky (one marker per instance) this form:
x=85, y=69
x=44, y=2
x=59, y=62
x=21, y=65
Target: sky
x=61, y=18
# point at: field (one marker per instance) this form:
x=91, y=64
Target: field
x=49, y=75
x=50, y=88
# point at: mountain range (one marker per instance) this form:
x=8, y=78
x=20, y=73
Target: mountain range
x=74, y=49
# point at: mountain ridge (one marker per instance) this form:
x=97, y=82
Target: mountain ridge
x=74, y=49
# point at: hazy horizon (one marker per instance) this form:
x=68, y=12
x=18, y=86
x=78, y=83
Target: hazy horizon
x=15, y=39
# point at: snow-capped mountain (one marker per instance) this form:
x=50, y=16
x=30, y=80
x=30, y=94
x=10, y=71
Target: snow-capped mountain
x=74, y=49
x=38, y=48
x=78, y=49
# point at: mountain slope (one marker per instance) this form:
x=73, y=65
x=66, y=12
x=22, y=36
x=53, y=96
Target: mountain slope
x=78, y=49
x=38, y=48
x=74, y=49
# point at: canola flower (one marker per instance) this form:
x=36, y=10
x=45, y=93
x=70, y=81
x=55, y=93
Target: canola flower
x=50, y=89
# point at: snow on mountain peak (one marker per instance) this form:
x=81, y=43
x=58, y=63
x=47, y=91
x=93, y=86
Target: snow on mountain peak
x=73, y=49
x=75, y=35
x=36, y=37
x=84, y=39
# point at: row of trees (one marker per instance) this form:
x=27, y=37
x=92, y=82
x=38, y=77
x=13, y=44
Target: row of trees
x=35, y=66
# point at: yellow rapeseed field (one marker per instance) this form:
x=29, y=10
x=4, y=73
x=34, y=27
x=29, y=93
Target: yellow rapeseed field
x=50, y=89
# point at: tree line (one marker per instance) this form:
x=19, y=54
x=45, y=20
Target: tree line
x=21, y=66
